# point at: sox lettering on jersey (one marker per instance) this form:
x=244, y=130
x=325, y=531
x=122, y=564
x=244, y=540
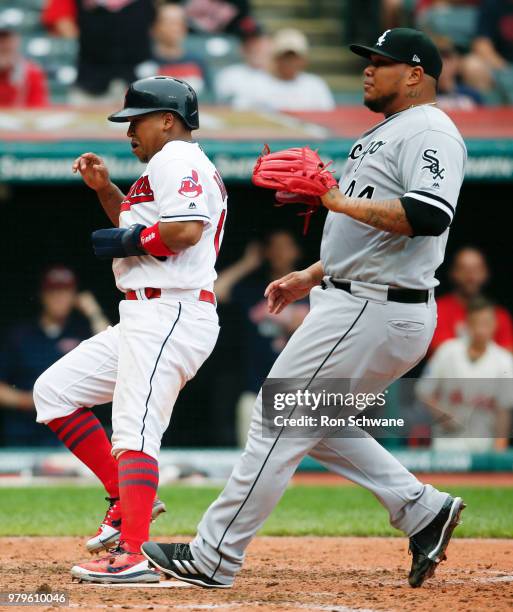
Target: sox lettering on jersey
x=433, y=165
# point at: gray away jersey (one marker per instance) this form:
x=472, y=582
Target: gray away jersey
x=418, y=153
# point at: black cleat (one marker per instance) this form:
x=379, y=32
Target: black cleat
x=429, y=545
x=176, y=560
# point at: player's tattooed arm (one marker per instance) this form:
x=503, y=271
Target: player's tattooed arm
x=95, y=175
x=385, y=215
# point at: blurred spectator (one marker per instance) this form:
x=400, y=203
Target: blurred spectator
x=454, y=19
x=468, y=387
x=244, y=284
x=392, y=13
x=233, y=81
x=30, y=348
x=287, y=87
x=491, y=63
x=452, y=94
x=397, y=13
x=22, y=83
x=169, y=33
x=114, y=39
x=219, y=16
x=469, y=274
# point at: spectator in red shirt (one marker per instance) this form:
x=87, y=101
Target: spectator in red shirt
x=22, y=83
x=469, y=274
x=60, y=16
x=219, y=16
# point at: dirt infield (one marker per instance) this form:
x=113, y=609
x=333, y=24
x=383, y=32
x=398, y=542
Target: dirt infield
x=330, y=574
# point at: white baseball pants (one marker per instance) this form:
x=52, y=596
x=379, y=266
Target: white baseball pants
x=141, y=364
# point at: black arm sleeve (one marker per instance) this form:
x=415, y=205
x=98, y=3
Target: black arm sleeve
x=425, y=219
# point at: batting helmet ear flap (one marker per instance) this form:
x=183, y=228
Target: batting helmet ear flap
x=160, y=93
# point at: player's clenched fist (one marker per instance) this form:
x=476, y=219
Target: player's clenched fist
x=93, y=171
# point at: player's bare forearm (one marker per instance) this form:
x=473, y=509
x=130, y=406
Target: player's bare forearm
x=181, y=235
x=316, y=272
x=110, y=198
x=385, y=215
x=14, y=398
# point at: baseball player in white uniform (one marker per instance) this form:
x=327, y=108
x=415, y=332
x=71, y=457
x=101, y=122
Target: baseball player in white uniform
x=468, y=387
x=372, y=317
x=169, y=228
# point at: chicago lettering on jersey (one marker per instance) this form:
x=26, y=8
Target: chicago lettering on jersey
x=140, y=191
x=190, y=186
x=357, y=151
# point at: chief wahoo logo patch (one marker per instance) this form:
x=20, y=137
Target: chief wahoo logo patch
x=190, y=186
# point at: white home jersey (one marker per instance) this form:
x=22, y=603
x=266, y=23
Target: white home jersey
x=418, y=153
x=469, y=391
x=180, y=183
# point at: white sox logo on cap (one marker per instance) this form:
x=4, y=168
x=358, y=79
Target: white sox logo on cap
x=381, y=39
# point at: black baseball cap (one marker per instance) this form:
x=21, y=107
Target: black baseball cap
x=406, y=46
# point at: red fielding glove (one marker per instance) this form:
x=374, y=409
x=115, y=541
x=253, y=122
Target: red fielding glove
x=295, y=170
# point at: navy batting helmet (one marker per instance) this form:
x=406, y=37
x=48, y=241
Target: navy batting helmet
x=160, y=93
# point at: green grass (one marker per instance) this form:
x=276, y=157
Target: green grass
x=304, y=510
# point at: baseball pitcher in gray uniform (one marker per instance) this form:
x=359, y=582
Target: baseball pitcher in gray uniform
x=372, y=317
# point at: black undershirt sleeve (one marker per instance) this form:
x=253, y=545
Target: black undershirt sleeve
x=425, y=219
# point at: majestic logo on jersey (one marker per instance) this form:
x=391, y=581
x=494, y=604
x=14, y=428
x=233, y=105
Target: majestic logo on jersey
x=140, y=191
x=190, y=186
x=358, y=152
x=433, y=165
x=192, y=206
x=382, y=38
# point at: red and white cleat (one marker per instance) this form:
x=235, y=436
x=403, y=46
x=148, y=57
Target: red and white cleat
x=109, y=531
x=118, y=566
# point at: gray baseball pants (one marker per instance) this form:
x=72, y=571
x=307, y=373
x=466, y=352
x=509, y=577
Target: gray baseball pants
x=359, y=335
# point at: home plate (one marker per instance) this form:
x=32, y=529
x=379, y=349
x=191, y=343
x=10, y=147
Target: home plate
x=164, y=584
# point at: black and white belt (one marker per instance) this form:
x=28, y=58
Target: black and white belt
x=394, y=294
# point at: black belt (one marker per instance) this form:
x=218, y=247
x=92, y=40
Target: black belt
x=405, y=296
